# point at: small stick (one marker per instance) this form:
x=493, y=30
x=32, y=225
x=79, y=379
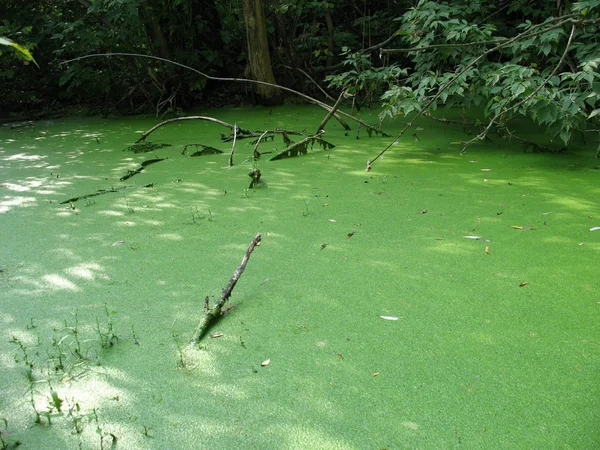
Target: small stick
x=213, y=313
x=233, y=146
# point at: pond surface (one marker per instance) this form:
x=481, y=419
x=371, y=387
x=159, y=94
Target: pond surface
x=486, y=260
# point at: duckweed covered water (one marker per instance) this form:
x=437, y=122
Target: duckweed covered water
x=496, y=346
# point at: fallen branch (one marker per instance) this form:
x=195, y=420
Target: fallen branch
x=104, y=191
x=255, y=152
x=331, y=113
x=258, y=133
x=206, y=150
x=178, y=119
x=145, y=164
x=213, y=313
x=301, y=148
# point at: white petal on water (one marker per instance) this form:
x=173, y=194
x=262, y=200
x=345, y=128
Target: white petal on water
x=594, y=228
x=389, y=317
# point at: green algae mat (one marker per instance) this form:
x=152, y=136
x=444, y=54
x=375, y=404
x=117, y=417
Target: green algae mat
x=437, y=301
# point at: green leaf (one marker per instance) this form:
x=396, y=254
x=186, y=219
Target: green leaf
x=594, y=113
x=26, y=53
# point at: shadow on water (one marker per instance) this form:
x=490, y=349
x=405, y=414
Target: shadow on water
x=474, y=357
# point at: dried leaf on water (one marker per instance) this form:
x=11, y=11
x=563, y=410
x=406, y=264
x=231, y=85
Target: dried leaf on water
x=340, y=355
x=518, y=227
x=422, y=212
x=524, y=283
x=389, y=317
x=487, y=250
x=376, y=374
x=323, y=246
x=115, y=244
x=266, y=362
x=218, y=334
x=349, y=235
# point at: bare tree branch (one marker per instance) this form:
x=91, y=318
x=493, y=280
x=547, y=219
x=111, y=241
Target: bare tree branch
x=327, y=96
x=241, y=80
x=178, y=119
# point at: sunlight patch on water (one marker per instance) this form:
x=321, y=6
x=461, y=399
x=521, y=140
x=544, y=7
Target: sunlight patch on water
x=111, y=213
x=24, y=157
x=156, y=223
x=410, y=425
x=10, y=202
x=15, y=187
x=574, y=203
x=85, y=271
x=298, y=437
x=58, y=282
x=171, y=236
x=200, y=361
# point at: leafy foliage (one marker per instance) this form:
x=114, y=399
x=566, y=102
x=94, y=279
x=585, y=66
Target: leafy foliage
x=363, y=78
x=477, y=54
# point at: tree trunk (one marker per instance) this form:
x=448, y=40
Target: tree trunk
x=330, y=42
x=259, y=59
